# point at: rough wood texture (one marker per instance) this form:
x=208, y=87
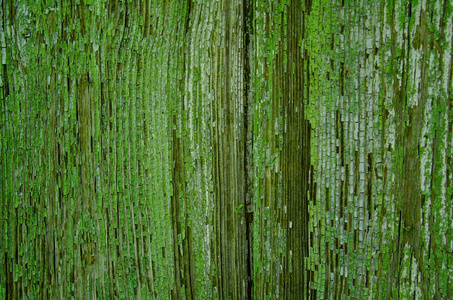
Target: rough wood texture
x=228, y=149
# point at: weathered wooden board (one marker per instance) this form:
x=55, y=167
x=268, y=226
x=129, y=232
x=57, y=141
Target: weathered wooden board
x=226, y=149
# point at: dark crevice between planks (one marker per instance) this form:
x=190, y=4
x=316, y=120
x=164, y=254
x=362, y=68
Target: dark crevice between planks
x=247, y=23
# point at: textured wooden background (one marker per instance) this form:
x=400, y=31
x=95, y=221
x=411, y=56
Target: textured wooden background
x=226, y=149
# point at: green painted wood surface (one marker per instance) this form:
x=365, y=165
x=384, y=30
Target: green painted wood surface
x=229, y=149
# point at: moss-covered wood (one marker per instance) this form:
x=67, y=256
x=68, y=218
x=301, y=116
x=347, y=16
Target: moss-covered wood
x=229, y=149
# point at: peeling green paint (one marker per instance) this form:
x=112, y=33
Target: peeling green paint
x=226, y=149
